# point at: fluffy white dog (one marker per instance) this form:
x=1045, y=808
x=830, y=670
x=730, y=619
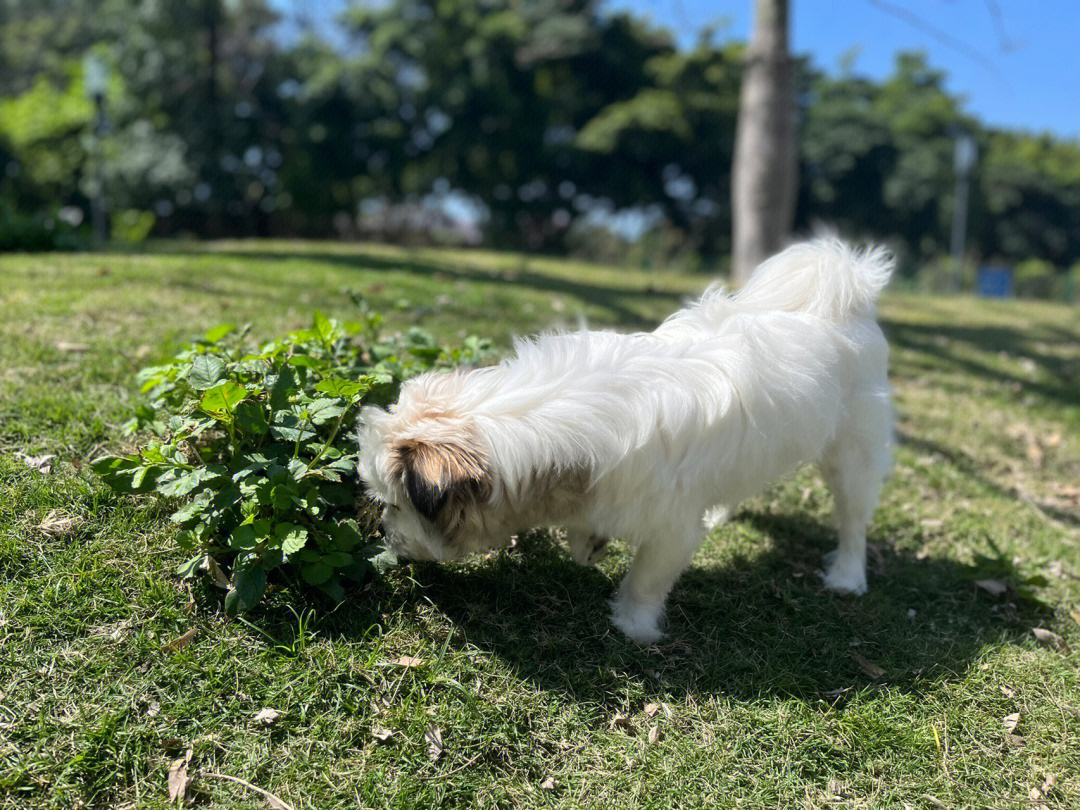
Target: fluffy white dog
x=637, y=436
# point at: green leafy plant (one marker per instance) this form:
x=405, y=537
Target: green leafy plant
x=255, y=448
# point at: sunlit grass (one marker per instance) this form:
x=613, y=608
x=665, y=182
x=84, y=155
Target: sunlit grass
x=765, y=704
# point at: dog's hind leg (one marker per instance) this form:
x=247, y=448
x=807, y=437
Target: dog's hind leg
x=854, y=467
x=639, y=605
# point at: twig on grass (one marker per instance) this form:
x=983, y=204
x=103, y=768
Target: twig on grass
x=275, y=801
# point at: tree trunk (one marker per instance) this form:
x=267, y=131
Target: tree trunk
x=765, y=173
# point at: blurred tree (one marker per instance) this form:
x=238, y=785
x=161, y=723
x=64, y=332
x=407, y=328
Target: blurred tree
x=765, y=172
x=549, y=119
x=670, y=146
x=878, y=158
x=1028, y=197
x=486, y=96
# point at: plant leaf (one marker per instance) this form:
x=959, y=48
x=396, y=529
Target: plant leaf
x=346, y=389
x=316, y=573
x=293, y=538
x=206, y=372
x=282, y=388
x=221, y=400
x=247, y=587
x=189, y=569
x=218, y=332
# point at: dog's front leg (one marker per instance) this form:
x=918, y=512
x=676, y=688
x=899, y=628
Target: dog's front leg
x=639, y=606
x=586, y=548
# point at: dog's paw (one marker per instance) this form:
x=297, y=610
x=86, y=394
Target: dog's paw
x=714, y=517
x=844, y=576
x=640, y=622
x=588, y=550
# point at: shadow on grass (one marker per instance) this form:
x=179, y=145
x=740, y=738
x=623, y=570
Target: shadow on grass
x=1060, y=381
x=968, y=465
x=754, y=626
x=617, y=301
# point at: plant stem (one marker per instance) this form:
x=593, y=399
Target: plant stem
x=330, y=439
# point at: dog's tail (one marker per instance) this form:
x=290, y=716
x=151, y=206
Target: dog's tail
x=826, y=277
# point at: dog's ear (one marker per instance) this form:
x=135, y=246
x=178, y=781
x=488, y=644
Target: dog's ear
x=435, y=471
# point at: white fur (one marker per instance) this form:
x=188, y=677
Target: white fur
x=722, y=398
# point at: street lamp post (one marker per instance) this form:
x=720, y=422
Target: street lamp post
x=95, y=80
x=963, y=162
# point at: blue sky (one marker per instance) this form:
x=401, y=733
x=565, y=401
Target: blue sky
x=1032, y=83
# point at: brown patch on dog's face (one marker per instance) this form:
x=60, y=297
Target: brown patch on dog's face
x=442, y=476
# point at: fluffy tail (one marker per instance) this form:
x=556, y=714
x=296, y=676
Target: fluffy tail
x=825, y=277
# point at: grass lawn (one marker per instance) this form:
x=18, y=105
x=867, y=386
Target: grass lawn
x=763, y=693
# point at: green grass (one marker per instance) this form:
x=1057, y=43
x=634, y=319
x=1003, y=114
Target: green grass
x=523, y=675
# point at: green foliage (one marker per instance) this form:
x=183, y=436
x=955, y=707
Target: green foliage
x=1035, y=278
x=22, y=231
x=1071, y=284
x=548, y=117
x=254, y=448
x=129, y=227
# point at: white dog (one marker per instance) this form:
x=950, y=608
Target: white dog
x=636, y=436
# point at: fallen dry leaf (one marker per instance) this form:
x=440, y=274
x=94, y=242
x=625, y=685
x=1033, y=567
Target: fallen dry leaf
x=654, y=735
x=651, y=709
x=407, y=661
x=57, y=524
x=994, y=587
x=1035, y=794
x=1048, y=782
x=178, y=777
x=210, y=565
x=871, y=669
x=153, y=709
x=434, y=739
x=926, y=797
x=1011, y=721
x=267, y=717
x=1052, y=439
x=1070, y=493
x=548, y=784
x=182, y=641
x=1015, y=740
x=620, y=720
x=65, y=346
x=667, y=710
x=43, y=464
x=1007, y=691
x=1075, y=615
x=381, y=734
x=1049, y=638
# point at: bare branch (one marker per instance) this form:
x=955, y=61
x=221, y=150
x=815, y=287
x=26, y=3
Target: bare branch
x=917, y=22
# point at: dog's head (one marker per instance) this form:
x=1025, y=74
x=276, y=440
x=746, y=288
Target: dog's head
x=428, y=466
